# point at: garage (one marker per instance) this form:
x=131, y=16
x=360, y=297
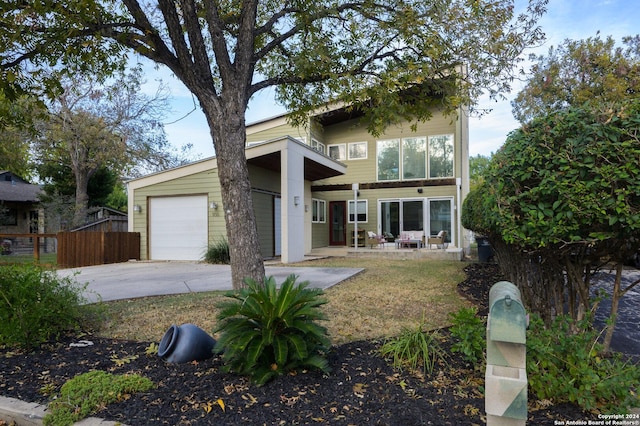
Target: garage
x=178, y=227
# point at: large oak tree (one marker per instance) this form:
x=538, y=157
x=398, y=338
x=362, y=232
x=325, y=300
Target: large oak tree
x=361, y=52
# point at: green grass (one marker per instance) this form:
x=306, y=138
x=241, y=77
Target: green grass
x=386, y=298
x=45, y=259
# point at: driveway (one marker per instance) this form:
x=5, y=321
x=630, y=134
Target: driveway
x=139, y=279
x=626, y=335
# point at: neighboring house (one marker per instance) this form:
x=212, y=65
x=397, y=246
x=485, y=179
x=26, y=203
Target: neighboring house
x=409, y=179
x=20, y=212
x=104, y=219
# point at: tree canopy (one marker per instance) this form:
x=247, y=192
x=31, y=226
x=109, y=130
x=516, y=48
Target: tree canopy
x=92, y=126
x=364, y=53
x=594, y=70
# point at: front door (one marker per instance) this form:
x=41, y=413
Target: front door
x=337, y=223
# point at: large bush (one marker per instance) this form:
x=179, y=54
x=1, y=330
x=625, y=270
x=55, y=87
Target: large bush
x=266, y=331
x=36, y=305
x=559, y=198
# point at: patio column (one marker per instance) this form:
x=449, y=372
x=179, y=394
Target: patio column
x=292, y=189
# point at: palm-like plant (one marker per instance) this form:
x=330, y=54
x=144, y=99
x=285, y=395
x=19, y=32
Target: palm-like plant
x=266, y=331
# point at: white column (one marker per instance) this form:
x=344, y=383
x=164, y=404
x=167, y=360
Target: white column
x=293, y=201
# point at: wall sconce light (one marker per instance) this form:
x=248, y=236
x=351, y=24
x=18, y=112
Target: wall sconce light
x=419, y=190
x=296, y=200
x=213, y=205
x=306, y=208
x=137, y=208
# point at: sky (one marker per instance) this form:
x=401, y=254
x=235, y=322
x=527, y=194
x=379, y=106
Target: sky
x=565, y=19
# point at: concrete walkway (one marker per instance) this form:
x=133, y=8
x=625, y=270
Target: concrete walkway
x=140, y=279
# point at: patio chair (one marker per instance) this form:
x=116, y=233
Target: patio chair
x=438, y=240
x=374, y=239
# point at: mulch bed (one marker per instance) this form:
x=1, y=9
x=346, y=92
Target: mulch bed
x=362, y=388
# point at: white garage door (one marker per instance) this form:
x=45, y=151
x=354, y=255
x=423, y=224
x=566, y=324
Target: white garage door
x=178, y=227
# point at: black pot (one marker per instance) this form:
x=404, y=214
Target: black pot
x=185, y=343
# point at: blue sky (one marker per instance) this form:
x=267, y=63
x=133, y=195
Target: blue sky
x=565, y=19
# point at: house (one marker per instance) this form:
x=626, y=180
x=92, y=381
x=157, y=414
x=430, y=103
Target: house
x=312, y=184
x=20, y=212
x=104, y=219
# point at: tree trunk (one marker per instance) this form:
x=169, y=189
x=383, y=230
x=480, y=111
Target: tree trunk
x=229, y=138
x=615, y=300
x=82, y=200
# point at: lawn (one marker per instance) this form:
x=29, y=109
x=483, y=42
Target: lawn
x=379, y=302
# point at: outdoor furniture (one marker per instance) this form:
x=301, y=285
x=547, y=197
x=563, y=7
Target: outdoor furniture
x=375, y=240
x=438, y=240
x=408, y=238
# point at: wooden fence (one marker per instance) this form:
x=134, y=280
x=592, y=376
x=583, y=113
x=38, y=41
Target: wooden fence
x=76, y=249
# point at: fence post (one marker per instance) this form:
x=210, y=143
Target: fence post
x=36, y=248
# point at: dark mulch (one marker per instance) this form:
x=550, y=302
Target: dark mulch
x=362, y=388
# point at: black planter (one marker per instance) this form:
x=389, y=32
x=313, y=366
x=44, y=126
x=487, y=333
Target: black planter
x=185, y=343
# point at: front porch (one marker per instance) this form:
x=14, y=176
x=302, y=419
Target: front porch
x=389, y=250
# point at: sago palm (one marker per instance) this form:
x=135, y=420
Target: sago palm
x=266, y=331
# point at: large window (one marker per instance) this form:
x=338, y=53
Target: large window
x=441, y=156
x=430, y=215
x=362, y=211
x=414, y=155
x=388, y=159
x=318, y=209
x=406, y=159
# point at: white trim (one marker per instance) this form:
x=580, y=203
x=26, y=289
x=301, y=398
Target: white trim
x=366, y=151
x=366, y=211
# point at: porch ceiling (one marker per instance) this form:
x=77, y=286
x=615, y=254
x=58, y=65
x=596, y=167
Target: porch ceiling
x=312, y=169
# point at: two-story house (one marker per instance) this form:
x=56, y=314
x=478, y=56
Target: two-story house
x=312, y=184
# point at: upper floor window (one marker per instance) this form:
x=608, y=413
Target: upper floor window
x=414, y=155
x=337, y=152
x=357, y=151
x=318, y=146
x=415, y=158
x=389, y=159
x=441, y=156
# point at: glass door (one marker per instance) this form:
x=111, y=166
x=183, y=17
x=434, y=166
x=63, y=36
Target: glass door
x=337, y=223
x=401, y=215
x=390, y=218
x=440, y=217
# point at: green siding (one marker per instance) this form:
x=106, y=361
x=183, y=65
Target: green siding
x=365, y=170
x=200, y=183
x=263, y=209
x=277, y=132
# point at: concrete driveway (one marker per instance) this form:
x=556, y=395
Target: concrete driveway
x=139, y=279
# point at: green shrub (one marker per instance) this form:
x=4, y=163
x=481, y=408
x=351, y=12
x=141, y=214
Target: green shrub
x=565, y=365
x=265, y=332
x=469, y=332
x=414, y=349
x=86, y=393
x=36, y=305
x=218, y=252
